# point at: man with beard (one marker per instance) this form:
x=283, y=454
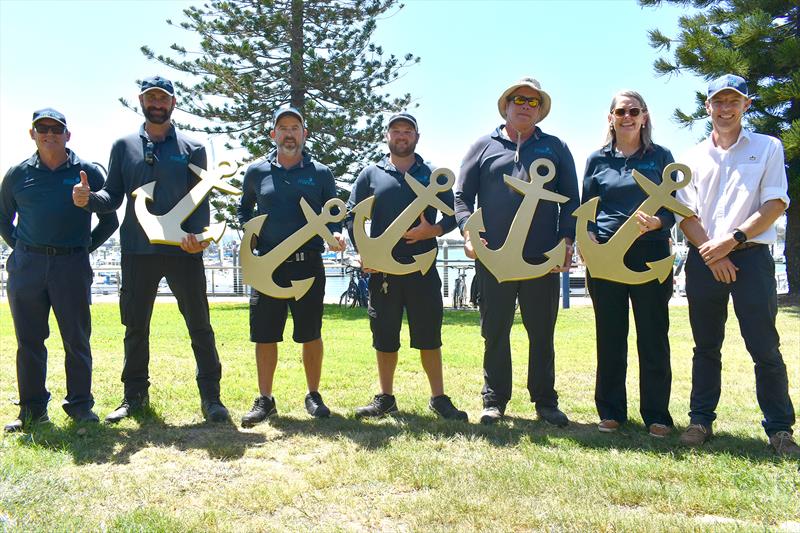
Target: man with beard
x=419, y=294
x=274, y=187
x=160, y=153
x=49, y=267
x=509, y=150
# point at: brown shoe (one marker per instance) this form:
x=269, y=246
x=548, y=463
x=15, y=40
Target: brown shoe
x=659, y=431
x=783, y=443
x=695, y=435
x=608, y=426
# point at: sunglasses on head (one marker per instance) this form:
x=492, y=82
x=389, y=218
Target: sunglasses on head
x=45, y=129
x=533, y=101
x=149, y=154
x=632, y=111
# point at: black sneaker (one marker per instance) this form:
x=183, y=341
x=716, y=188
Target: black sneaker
x=381, y=405
x=128, y=407
x=84, y=415
x=25, y=419
x=491, y=415
x=443, y=406
x=262, y=409
x=315, y=406
x=552, y=415
x=214, y=411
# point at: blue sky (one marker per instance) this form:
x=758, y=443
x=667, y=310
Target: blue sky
x=80, y=56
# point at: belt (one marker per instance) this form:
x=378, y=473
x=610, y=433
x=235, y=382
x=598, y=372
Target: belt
x=746, y=245
x=298, y=257
x=52, y=250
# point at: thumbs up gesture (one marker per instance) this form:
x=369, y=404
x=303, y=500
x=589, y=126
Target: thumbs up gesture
x=80, y=192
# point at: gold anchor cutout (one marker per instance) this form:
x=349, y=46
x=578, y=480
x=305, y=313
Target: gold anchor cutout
x=506, y=263
x=166, y=228
x=376, y=253
x=257, y=271
x=606, y=260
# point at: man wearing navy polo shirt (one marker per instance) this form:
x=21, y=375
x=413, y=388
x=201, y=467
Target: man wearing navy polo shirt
x=510, y=149
x=274, y=187
x=738, y=191
x=49, y=267
x=160, y=153
x=419, y=294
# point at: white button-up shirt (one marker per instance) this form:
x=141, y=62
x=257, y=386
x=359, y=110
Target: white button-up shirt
x=728, y=186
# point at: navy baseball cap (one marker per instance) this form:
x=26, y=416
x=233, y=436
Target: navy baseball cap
x=288, y=110
x=157, y=82
x=403, y=116
x=49, y=112
x=728, y=82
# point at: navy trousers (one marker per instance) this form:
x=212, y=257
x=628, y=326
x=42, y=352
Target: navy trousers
x=186, y=277
x=36, y=283
x=755, y=304
x=538, y=303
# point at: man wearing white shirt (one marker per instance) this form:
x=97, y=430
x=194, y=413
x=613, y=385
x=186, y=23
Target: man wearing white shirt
x=738, y=191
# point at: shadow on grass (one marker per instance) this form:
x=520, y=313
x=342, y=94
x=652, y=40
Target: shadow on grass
x=103, y=443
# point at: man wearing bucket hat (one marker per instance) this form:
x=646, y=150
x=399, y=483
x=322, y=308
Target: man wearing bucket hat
x=419, y=294
x=738, y=191
x=49, y=267
x=158, y=152
x=509, y=150
x=274, y=187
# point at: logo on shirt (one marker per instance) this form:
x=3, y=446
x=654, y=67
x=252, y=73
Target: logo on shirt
x=71, y=181
x=180, y=158
x=308, y=182
x=543, y=150
x=650, y=165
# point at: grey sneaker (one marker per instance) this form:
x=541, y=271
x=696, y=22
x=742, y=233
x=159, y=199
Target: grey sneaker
x=695, y=435
x=443, y=406
x=552, y=415
x=783, y=443
x=25, y=419
x=128, y=407
x=491, y=415
x=214, y=411
x=315, y=406
x=381, y=405
x=262, y=409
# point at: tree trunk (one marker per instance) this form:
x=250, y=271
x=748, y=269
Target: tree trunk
x=297, y=88
x=792, y=250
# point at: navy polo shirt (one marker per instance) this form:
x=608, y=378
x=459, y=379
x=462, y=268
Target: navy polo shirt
x=481, y=175
x=42, y=199
x=609, y=175
x=269, y=189
x=128, y=170
x=392, y=196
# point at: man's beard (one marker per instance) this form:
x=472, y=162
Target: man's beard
x=291, y=150
x=395, y=150
x=157, y=116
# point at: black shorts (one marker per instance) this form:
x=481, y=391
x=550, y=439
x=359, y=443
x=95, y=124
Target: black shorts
x=421, y=297
x=268, y=314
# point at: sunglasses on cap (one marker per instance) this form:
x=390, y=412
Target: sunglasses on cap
x=44, y=129
x=533, y=101
x=149, y=153
x=633, y=111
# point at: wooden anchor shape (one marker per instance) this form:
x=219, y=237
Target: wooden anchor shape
x=257, y=271
x=606, y=260
x=376, y=253
x=166, y=228
x=506, y=263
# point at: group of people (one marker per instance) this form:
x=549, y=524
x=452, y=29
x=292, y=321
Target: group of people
x=738, y=190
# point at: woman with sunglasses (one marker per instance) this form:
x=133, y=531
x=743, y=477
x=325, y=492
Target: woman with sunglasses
x=609, y=176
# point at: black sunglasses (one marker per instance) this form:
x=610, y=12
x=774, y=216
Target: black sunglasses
x=633, y=111
x=149, y=154
x=44, y=129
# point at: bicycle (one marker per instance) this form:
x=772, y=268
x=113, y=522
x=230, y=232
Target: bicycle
x=356, y=294
x=460, y=298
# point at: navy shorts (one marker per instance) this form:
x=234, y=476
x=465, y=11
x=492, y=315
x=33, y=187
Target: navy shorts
x=268, y=314
x=421, y=297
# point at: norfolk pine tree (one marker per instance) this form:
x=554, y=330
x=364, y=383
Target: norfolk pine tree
x=760, y=41
x=257, y=55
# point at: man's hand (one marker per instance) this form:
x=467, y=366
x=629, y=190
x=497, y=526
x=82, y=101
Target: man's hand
x=647, y=222
x=716, y=249
x=724, y=270
x=422, y=232
x=340, y=243
x=356, y=261
x=80, y=192
x=567, y=258
x=469, y=251
x=192, y=245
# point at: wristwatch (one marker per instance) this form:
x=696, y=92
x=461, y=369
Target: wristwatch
x=739, y=236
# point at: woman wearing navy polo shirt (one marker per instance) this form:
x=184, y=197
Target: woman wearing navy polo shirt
x=608, y=175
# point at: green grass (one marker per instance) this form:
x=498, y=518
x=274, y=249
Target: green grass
x=170, y=471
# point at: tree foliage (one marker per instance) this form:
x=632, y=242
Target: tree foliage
x=317, y=55
x=760, y=41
